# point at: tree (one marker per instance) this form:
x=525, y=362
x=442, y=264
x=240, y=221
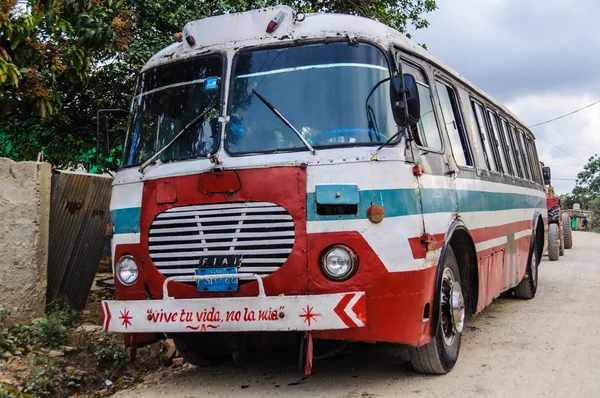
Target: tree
x=62, y=60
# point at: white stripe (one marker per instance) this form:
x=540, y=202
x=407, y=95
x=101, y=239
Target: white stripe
x=484, y=219
x=377, y=175
x=490, y=243
x=522, y=234
x=350, y=313
x=306, y=67
x=125, y=196
x=487, y=186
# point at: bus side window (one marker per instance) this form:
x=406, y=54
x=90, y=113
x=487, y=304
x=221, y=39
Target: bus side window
x=488, y=153
x=497, y=140
x=536, y=160
x=510, y=154
x=515, y=145
x=532, y=160
x=454, y=124
x=427, y=131
x=526, y=162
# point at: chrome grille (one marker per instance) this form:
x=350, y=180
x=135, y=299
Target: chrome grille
x=263, y=233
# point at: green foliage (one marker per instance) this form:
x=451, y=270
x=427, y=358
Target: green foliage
x=44, y=383
x=4, y=314
x=50, y=330
x=589, y=178
x=5, y=394
x=109, y=354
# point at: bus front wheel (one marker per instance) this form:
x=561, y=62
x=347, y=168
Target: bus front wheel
x=440, y=355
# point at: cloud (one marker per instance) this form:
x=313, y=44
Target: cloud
x=537, y=57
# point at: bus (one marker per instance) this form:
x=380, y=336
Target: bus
x=319, y=176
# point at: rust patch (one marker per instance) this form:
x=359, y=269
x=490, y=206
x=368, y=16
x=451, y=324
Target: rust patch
x=73, y=207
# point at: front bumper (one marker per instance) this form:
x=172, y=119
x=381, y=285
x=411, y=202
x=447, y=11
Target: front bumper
x=244, y=314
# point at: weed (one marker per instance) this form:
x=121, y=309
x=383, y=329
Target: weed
x=4, y=313
x=73, y=379
x=50, y=330
x=6, y=393
x=44, y=383
x=110, y=353
x=60, y=309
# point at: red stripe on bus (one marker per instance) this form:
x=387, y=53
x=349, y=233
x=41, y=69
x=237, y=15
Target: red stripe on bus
x=419, y=250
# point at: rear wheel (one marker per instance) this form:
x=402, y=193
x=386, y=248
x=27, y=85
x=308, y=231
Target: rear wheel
x=553, y=242
x=440, y=355
x=568, y=235
x=527, y=288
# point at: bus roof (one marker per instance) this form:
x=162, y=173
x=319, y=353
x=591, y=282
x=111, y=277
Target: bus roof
x=248, y=29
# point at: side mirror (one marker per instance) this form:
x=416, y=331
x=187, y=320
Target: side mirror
x=102, y=132
x=547, y=175
x=407, y=85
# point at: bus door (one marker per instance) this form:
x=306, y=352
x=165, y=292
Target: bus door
x=436, y=167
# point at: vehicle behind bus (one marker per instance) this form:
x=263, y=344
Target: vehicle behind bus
x=317, y=176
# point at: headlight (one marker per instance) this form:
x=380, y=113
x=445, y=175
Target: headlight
x=338, y=263
x=127, y=270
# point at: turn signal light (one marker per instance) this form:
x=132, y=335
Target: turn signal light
x=275, y=22
x=375, y=214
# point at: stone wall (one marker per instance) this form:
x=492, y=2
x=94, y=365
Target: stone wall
x=24, y=225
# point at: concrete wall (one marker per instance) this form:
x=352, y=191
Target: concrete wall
x=24, y=225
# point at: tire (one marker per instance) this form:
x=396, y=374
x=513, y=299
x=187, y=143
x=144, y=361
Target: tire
x=553, y=242
x=561, y=250
x=568, y=233
x=440, y=355
x=527, y=288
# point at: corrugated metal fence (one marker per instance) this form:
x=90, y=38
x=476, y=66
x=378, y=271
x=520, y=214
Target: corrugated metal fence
x=79, y=212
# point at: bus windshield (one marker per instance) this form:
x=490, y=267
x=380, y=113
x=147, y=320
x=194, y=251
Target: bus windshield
x=169, y=97
x=334, y=94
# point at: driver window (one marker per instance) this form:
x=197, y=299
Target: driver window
x=427, y=132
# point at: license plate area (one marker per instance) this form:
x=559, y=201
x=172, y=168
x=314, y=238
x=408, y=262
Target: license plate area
x=217, y=284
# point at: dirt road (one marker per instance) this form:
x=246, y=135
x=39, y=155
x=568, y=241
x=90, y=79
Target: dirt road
x=549, y=346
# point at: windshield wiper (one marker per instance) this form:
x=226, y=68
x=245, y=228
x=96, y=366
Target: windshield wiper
x=392, y=138
x=285, y=121
x=182, y=132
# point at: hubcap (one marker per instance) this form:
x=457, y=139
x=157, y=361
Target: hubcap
x=453, y=307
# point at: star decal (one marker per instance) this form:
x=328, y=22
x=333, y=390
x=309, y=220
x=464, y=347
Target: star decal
x=309, y=315
x=126, y=318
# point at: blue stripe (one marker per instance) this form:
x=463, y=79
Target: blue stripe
x=126, y=221
x=396, y=202
x=403, y=202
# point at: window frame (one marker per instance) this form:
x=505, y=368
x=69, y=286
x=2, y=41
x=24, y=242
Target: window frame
x=491, y=112
x=475, y=102
x=524, y=146
x=392, y=69
x=221, y=105
x=504, y=127
x=401, y=59
x=532, y=159
x=537, y=163
x=461, y=125
x=512, y=134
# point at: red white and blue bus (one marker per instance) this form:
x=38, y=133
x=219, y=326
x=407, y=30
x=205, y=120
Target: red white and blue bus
x=317, y=177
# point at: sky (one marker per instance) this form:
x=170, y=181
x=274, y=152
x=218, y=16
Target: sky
x=540, y=58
